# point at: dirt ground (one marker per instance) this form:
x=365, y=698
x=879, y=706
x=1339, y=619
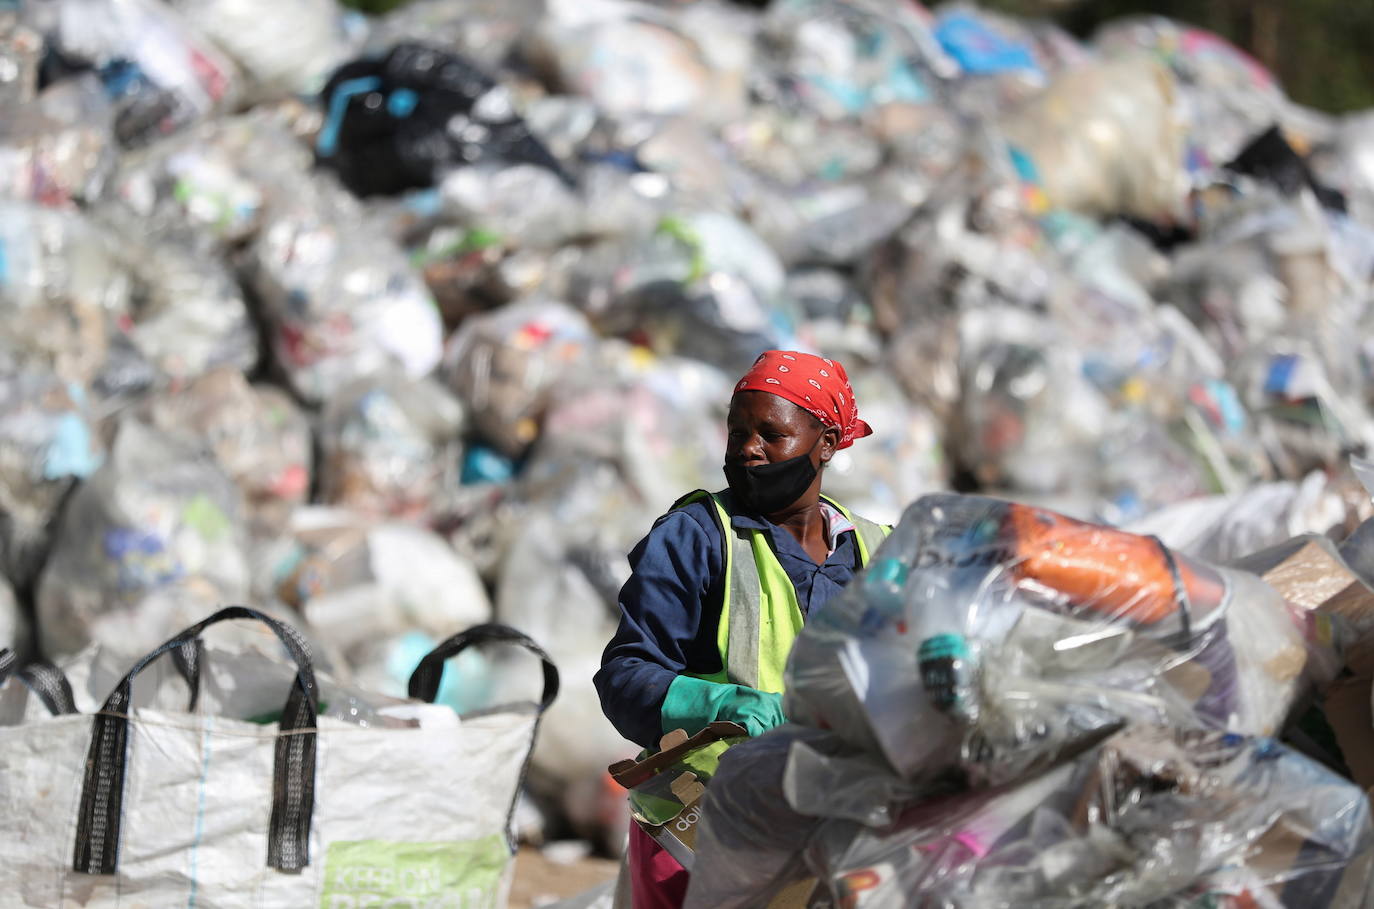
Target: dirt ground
x=541, y=880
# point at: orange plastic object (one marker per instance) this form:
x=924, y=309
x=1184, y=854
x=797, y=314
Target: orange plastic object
x=1118, y=574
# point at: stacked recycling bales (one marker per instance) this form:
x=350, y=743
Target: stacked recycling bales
x=238, y=364
x=1015, y=707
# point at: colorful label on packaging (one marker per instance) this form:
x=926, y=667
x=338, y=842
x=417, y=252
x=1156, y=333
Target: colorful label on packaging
x=143, y=559
x=678, y=837
x=371, y=874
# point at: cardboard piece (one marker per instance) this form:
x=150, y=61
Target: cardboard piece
x=666, y=787
x=1309, y=572
x=672, y=748
x=1346, y=704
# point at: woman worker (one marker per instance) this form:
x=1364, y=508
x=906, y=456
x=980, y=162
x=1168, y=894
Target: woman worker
x=724, y=581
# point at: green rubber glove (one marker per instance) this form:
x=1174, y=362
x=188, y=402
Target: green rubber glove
x=691, y=704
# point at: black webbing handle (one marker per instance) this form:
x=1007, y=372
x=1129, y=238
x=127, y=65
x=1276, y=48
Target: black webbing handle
x=43, y=679
x=424, y=681
x=49, y=684
x=293, y=775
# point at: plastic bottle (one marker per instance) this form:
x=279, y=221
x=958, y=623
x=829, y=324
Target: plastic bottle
x=885, y=595
x=949, y=671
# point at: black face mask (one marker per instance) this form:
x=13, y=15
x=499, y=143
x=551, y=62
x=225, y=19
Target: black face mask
x=769, y=488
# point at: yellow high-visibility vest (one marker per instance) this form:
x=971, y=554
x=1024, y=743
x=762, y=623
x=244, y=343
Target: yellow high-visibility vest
x=760, y=615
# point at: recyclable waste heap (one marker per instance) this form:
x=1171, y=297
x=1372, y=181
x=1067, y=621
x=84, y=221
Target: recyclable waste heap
x=1014, y=708
x=394, y=324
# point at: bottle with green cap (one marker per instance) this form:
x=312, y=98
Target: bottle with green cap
x=949, y=673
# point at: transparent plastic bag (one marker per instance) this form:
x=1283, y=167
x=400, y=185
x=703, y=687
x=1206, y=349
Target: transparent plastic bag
x=161, y=73
x=58, y=150
x=902, y=461
x=1153, y=817
x=832, y=222
x=1305, y=421
x=1103, y=139
x=364, y=587
x=703, y=285
x=210, y=187
x=658, y=422
x=534, y=209
x=750, y=842
x=48, y=443
x=151, y=542
x=1029, y=419
x=341, y=300
x=978, y=240
x=485, y=31
x=1221, y=529
x=256, y=432
x=525, y=205
x=632, y=59
x=390, y=445
x=503, y=365
x=282, y=50
x=22, y=48
x=189, y=314
x=842, y=59
x=990, y=639
x=63, y=290
x=1226, y=95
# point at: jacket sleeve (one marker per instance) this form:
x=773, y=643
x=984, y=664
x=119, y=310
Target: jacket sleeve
x=669, y=614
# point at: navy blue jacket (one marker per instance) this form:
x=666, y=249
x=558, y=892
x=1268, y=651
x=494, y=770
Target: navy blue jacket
x=670, y=609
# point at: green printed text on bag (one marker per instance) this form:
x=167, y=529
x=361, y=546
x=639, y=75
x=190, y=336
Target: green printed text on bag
x=369, y=874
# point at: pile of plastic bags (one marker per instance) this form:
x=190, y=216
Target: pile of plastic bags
x=391, y=324
x=1013, y=707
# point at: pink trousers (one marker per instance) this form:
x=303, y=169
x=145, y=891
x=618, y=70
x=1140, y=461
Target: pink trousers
x=657, y=881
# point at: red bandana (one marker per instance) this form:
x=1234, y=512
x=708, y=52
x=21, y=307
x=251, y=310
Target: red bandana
x=813, y=383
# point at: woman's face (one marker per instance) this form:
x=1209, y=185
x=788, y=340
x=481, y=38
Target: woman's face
x=765, y=429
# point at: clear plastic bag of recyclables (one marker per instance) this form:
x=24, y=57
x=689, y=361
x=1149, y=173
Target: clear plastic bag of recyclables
x=340, y=299
x=768, y=799
x=993, y=638
x=154, y=539
x=48, y=444
x=1154, y=817
x=390, y=445
x=161, y=74
x=256, y=433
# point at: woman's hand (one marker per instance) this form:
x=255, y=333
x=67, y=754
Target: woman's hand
x=691, y=704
